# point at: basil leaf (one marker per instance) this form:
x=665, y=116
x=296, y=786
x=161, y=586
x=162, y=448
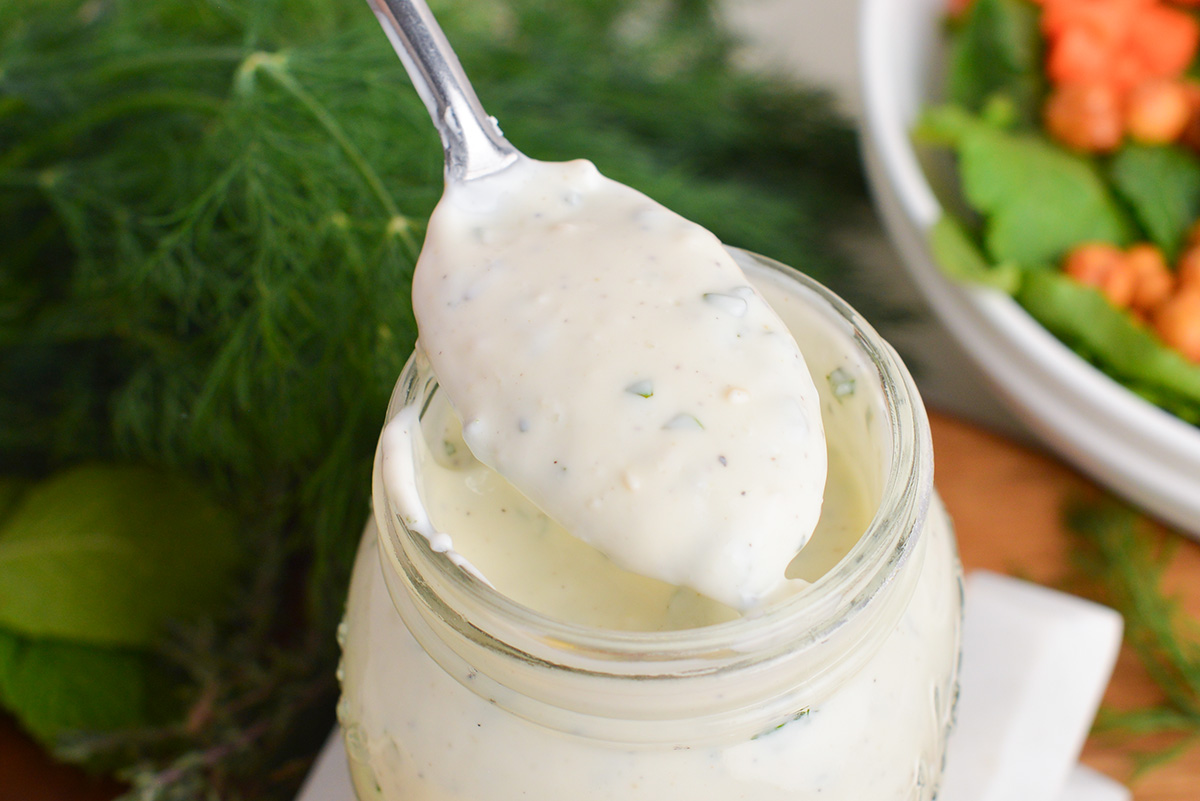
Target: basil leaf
x=11, y=491
x=1162, y=186
x=108, y=555
x=998, y=51
x=961, y=259
x=1039, y=200
x=54, y=687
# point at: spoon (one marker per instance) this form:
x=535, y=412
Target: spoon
x=607, y=357
x=472, y=141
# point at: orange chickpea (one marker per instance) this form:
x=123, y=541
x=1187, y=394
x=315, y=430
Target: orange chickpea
x=1157, y=111
x=1103, y=266
x=1154, y=280
x=1187, y=272
x=1177, y=321
x=1085, y=116
x=958, y=8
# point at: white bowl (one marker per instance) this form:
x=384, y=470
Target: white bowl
x=1140, y=451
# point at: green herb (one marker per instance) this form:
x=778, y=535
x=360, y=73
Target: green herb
x=209, y=215
x=55, y=686
x=1083, y=318
x=997, y=50
x=841, y=382
x=1128, y=561
x=729, y=304
x=684, y=422
x=643, y=389
x=95, y=562
x=1162, y=187
x=1038, y=200
x=11, y=492
x=110, y=555
x=803, y=713
x=962, y=260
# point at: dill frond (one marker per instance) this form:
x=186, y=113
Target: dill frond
x=209, y=216
x=1126, y=558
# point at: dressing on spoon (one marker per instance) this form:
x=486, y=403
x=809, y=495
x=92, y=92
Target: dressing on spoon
x=607, y=357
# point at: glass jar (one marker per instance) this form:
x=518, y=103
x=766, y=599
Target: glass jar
x=844, y=690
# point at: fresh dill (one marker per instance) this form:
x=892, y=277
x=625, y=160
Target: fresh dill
x=1126, y=558
x=209, y=216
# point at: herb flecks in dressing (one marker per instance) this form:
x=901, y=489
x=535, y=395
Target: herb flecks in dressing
x=611, y=361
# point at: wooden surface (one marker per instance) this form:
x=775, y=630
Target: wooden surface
x=1005, y=501
x=27, y=774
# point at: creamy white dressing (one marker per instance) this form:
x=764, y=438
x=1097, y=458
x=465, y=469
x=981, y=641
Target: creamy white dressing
x=415, y=732
x=611, y=361
x=528, y=557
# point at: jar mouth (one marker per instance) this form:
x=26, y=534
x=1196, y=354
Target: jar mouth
x=810, y=616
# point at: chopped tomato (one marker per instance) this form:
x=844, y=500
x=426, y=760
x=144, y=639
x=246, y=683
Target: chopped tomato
x=959, y=7
x=1107, y=20
x=1078, y=55
x=1164, y=40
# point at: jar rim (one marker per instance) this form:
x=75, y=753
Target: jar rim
x=808, y=616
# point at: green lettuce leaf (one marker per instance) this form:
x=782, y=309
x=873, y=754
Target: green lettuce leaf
x=998, y=51
x=1162, y=187
x=1084, y=319
x=1037, y=199
x=961, y=259
x=109, y=555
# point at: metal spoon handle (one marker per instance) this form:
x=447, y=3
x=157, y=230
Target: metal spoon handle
x=473, y=143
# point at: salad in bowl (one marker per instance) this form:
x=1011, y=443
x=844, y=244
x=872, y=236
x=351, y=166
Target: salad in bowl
x=1037, y=163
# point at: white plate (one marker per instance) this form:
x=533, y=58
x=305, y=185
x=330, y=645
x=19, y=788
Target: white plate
x=1140, y=451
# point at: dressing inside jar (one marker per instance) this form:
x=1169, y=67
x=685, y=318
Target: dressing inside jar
x=551, y=673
